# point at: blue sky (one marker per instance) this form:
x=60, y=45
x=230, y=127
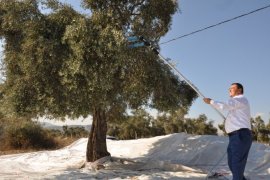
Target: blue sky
x=237, y=51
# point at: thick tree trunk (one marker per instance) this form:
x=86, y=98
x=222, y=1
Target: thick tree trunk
x=96, y=146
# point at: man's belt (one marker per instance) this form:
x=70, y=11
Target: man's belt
x=237, y=131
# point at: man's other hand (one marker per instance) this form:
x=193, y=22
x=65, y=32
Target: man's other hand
x=207, y=100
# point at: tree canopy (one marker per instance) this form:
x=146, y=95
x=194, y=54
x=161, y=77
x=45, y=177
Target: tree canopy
x=64, y=63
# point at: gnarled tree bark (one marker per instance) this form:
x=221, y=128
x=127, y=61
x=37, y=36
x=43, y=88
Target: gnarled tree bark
x=96, y=146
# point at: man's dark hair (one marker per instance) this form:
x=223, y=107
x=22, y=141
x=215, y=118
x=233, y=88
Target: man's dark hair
x=239, y=86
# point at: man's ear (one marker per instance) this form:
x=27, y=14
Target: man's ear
x=239, y=91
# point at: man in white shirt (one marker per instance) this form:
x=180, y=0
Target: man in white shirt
x=238, y=127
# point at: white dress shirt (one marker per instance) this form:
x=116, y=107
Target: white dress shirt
x=238, y=113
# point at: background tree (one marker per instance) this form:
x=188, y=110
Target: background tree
x=117, y=116
x=222, y=127
x=200, y=126
x=260, y=132
x=141, y=125
x=137, y=125
x=158, y=125
x=65, y=63
x=74, y=132
x=268, y=125
x=171, y=122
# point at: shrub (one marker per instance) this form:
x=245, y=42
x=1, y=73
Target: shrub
x=28, y=135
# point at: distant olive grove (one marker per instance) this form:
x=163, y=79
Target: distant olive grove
x=23, y=133
x=27, y=134
x=141, y=125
